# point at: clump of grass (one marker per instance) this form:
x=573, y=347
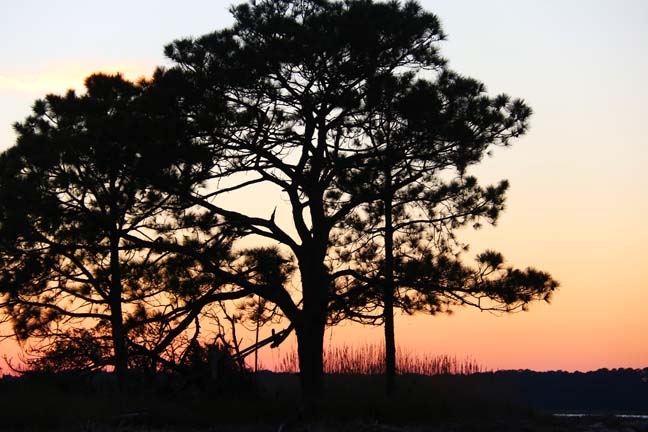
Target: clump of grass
x=368, y=359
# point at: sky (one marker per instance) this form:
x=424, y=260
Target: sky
x=579, y=178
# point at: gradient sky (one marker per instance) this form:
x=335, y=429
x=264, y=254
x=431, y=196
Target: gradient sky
x=579, y=178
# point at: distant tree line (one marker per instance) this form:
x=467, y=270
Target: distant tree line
x=120, y=233
x=603, y=391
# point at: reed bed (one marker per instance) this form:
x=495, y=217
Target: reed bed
x=368, y=359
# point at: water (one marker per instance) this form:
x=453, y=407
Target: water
x=621, y=416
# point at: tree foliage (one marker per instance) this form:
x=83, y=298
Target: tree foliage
x=84, y=224
x=127, y=209
x=349, y=111
x=422, y=136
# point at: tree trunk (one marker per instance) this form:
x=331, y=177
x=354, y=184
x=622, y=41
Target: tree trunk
x=390, y=344
x=310, y=340
x=388, y=296
x=310, y=328
x=116, y=319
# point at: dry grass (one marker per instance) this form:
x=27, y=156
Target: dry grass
x=368, y=359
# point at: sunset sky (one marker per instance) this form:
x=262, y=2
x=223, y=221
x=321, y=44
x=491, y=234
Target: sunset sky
x=579, y=179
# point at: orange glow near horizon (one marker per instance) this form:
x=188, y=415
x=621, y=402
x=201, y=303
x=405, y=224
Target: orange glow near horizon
x=579, y=178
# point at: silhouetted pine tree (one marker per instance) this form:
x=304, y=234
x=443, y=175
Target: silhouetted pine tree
x=423, y=136
x=295, y=95
x=89, y=240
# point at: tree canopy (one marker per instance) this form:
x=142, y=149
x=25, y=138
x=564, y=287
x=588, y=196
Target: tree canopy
x=84, y=222
x=343, y=106
x=344, y=109
x=422, y=137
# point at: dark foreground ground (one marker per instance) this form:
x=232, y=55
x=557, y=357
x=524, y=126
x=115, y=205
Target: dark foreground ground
x=503, y=401
x=584, y=424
